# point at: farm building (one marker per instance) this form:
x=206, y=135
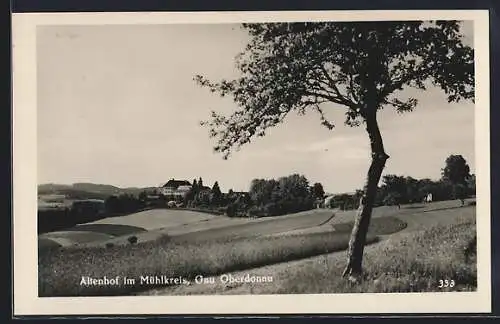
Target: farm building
x=175, y=188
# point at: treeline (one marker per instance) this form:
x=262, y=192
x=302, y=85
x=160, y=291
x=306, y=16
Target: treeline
x=456, y=183
x=270, y=197
x=407, y=190
x=201, y=196
x=266, y=197
x=399, y=190
x=285, y=195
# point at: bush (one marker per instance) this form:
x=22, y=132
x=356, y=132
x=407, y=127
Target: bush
x=124, y=204
x=54, y=219
x=272, y=209
x=231, y=210
x=221, y=210
x=132, y=239
x=255, y=211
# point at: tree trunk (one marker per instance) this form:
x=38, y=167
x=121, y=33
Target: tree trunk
x=362, y=221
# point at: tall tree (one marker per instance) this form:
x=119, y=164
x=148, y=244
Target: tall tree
x=361, y=66
x=191, y=194
x=216, y=194
x=456, y=170
x=261, y=190
x=411, y=193
x=395, y=187
x=318, y=190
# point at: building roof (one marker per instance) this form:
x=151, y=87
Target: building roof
x=172, y=183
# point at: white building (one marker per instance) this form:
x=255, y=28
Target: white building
x=175, y=188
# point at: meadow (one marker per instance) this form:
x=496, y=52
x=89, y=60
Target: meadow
x=425, y=242
x=405, y=262
x=60, y=273
x=184, y=225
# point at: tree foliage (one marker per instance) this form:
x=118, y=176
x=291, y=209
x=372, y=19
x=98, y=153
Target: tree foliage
x=215, y=195
x=456, y=170
x=271, y=197
x=405, y=190
x=359, y=65
x=318, y=191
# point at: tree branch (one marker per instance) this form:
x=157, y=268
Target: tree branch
x=351, y=88
x=324, y=96
x=345, y=100
x=398, y=84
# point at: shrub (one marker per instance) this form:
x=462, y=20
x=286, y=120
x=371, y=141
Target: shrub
x=255, y=211
x=221, y=210
x=109, y=245
x=132, y=239
x=51, y=220
x=124, y=204
x=231, y=210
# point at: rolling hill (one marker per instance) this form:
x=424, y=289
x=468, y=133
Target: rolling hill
x=84, y=190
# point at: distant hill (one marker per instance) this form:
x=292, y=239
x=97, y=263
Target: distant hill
x=97, y=188
x=52, y=187
x=88, y=190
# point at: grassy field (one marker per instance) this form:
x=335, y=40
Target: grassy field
x=412, y=263
x=428, y=249
x=184, y=226
x=60, y=273
x=108, y=229
x=404, y=262
x=157, y=218
x=380, y=226
x=196, y=226
x=215, y=245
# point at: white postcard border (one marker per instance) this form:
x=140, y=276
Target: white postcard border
x=26, y=300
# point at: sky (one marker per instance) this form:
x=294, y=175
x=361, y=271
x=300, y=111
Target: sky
x=117, y=105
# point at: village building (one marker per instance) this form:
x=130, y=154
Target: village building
x=175, y=188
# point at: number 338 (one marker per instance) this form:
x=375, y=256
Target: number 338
x=446, y=283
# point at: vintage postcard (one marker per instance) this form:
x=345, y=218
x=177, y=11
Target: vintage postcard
x=251, y=163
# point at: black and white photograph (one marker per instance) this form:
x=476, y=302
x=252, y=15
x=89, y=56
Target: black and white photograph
x=179, y=158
